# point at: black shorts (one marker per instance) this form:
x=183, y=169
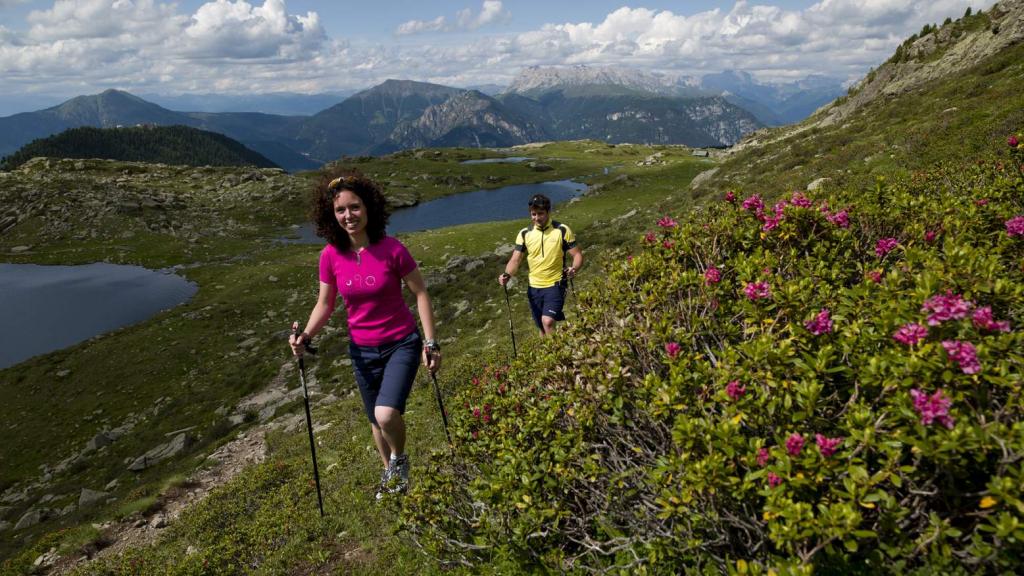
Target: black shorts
x=547, y=302
x=385, y=373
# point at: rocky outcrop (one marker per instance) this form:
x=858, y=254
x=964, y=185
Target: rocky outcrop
x=941, y=53
x=175, y=446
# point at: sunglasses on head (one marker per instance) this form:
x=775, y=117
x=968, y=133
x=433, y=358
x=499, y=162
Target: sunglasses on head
x=339, y=181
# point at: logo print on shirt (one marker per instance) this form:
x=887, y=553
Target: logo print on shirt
x=359, y=281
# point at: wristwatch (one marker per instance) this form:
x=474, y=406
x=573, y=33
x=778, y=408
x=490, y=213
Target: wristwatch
x=432, y=346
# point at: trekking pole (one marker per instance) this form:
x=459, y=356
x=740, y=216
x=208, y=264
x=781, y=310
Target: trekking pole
x=510, y=328
x=440, y=404
x=309, y=419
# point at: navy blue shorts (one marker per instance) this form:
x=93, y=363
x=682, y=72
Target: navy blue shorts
x=385, y=373
x=546, y=302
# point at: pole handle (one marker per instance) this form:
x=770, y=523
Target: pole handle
x=305, y=343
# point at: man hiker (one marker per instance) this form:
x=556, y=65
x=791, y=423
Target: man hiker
x=545, y=243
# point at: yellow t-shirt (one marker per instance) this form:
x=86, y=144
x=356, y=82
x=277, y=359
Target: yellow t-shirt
x=545, y=252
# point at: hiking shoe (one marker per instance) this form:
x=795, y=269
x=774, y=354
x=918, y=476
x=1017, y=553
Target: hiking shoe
x=400, y=473
x=385, y=481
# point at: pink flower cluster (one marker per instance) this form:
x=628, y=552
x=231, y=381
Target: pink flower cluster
x=840, y=219
x=650, y=238
x=1012, y=141
x=673, y=349
x=932, y=408
x=794, y=444
x=730, y=197
x=799, y=200
x=827, y=446
x=930, y=235
x=963, y=354
x=667, y=222
x=753, y=203
x=821, y=324
x=762, y=457
x=1015, y=226
x=757, y=290
x=712, y=275
x=735, y=390
x=774, y=479
x=946, y=307
x=885, y=245
x=910, y=334
x=983, y=320
x=875, y=276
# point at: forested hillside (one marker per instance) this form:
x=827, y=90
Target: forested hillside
x=156, y=144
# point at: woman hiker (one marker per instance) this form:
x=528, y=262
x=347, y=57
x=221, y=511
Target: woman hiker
x=367, y=268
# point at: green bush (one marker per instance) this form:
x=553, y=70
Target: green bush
x=686, y=423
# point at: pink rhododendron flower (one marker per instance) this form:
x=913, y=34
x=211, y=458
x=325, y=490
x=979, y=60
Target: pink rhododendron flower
x=673, y=349
x=963, y=354
x=827, y=446
x=821, y=324
x=712, y=275
x=875, y=276
x=780, y=208
x=668, y=244
x=757, y=290
x=981, y=202
x=476, y=412
x=910, y=334
x=1012, y=141
x=799, y=200
x=885, y=245
x=983, y=319
x=1015, y=226
x=945, y=307
x=730, y=197
x=650, y=238
x=794, y=444
x=770, y=223
x=735, y=390
x=930, y=235
x=762, y=457
x=841, y=219
x=932, y=408
x=774, y=479
x=667, y=222
x=753, y=203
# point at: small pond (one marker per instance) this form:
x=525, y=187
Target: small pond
x=504, y=160
x=506, y=203
x=46, y=308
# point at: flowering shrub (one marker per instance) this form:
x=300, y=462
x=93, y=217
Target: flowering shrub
x=756, y=443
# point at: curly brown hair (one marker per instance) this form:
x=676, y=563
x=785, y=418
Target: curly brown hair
x=332, y=183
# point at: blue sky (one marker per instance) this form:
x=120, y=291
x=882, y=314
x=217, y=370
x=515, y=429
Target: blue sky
x=58, y=49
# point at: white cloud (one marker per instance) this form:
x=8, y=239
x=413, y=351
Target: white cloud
x=491, y=12
x=84, y=46
x=239, y=30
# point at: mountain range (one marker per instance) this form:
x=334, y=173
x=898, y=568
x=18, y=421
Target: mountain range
x=608, y=104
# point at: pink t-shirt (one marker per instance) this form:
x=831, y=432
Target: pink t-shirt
x=371, y=285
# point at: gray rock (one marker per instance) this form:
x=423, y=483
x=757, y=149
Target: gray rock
x=19, y=249
x=814, y=185
x=158, y=521
x=98, y=441
x=504, y=250
x=176, y=446
x=5, y=526
x=89, y=497
x=473, y=265
x=68, y=509
x=31, y=518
